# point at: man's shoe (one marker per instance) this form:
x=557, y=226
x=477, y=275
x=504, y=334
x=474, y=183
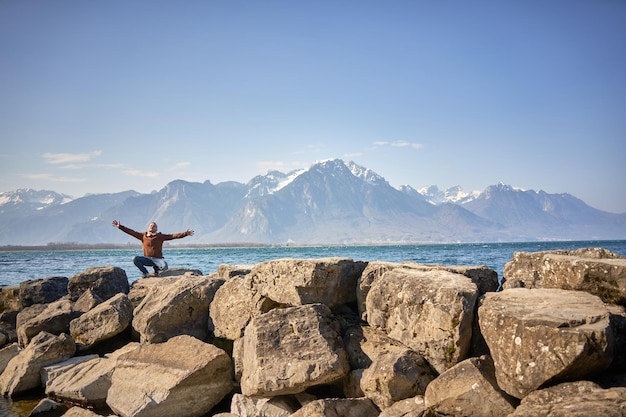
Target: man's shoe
x=156, y=271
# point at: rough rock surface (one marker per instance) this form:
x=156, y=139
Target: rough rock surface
x=285, y=351
x=104, y=281
x=234, y=305
x=84, y=382
x=594, y=270
x=181, y=377
x=178, y=307
x=410, y=407
x=430, y=311
x=344, y=407
x=102, y=322
x=395, y=376
x=7, y=353
x=384, y=369
x=372, y=272
x=22, y=372
x=80, y=412
x=581, y=398
x=294, y=282
x=52, y=318
x=42, y=291
x=542, y=335
x=470, y=389
x=282, y=406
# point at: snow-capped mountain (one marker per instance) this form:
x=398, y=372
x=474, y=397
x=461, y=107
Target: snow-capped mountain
x=451, y=195
x=330, y=202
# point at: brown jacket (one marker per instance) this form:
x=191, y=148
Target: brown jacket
x=152, y=245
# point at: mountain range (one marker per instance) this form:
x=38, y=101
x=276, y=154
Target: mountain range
x=331, y=202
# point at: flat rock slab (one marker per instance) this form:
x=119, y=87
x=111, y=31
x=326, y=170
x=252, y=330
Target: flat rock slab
x=294, y=282
x=544, y=335
x=594, y=270
x=581, y=398
x=181, y=377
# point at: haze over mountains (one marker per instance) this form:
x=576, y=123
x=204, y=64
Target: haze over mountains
x=331, y=202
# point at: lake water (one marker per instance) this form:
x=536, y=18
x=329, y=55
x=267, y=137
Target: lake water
x=19, y=266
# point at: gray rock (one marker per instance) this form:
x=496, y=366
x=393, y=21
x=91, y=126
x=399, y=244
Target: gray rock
x=430, y=311
x=104, y=321
x=234, y=305
x=10, y=298
x=104, y=281
x=180, y=306
x=48, y=408
x=395, y=376
x=7, y=353
x=542, y=335
x=344, y=407
x=594, y=270
x=52, y=318
x=227, y=271
x=83, y=380
x=181, y=377
x=294, y=282
x=282, y=406
x=22, y=372
x=410, y=407
x=581, y=398
x=87, y=301
x=80, y=412
x=372, y=272
x=469, y=389
x=285, y=351
x=42, y=291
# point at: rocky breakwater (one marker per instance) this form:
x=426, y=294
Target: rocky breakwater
x=323, y=337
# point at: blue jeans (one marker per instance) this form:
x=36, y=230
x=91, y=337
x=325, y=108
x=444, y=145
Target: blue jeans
x=141, y=262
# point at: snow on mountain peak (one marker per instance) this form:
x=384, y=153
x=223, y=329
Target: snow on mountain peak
x=453, y=194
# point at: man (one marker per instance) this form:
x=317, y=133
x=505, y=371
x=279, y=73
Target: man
x=152, y=243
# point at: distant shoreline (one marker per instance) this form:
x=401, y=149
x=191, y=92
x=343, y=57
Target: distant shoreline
x=68, y=246
x=108, y=246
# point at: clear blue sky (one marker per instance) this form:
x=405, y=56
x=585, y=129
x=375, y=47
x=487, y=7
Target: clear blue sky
x=107, y=96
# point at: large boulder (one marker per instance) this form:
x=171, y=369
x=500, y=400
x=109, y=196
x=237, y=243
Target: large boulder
x=53, y=318
x=395, y=376
x=10, y=298
x=594, y=270
x=181, y=377
x=7, y=353
x=581, y=398
x=386, y=370
x=430, y=311
x=544, y=335
x=22, y=372
x=104, y=281
x=234, y=305
x=344, y=407
x=294, y=282
x=372, y=272
x=83, y=379
x=409, y=407
x=102, y=322
x=286, y=351
x=469, y=389
x=42, y=291
x=178, y=307
x=282, y=406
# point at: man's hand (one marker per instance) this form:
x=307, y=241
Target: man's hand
x=116, y=223
x=189, y=232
